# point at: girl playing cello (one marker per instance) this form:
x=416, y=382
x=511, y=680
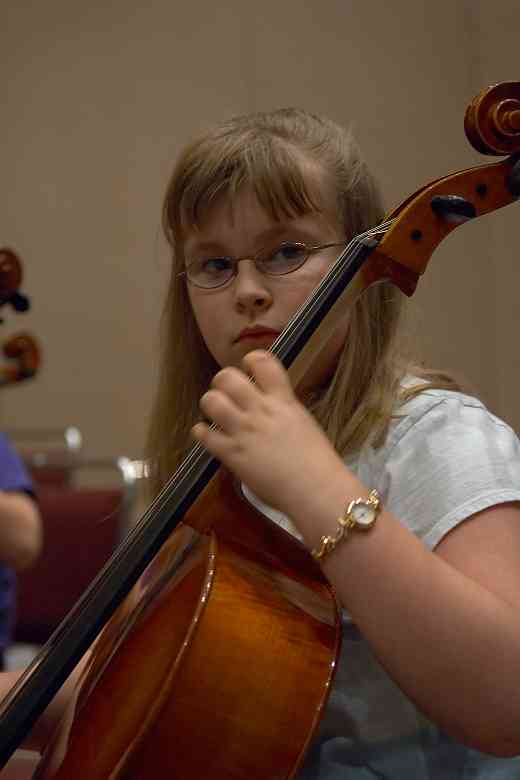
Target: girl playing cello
x=256, y=212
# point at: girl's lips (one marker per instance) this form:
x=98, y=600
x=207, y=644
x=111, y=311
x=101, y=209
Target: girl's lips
x=269, y=335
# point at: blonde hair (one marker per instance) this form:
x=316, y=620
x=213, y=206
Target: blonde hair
x=270, y=152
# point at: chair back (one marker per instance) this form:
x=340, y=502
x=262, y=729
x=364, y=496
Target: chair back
x=83, y=522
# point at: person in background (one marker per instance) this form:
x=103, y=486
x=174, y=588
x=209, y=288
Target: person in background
x=20, y=534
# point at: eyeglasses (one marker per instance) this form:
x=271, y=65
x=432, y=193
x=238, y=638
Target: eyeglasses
x=283, y=259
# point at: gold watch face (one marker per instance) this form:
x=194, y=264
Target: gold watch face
x=364, y=514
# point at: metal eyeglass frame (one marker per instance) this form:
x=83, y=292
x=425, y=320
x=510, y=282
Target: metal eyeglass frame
x=258, y=257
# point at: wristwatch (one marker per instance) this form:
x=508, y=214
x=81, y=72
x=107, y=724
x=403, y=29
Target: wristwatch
x=361, y=513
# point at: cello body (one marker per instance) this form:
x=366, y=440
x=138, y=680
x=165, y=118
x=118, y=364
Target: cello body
x=208, y=697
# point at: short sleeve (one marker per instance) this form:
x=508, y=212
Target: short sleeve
x=13, y=474
x=445, y=459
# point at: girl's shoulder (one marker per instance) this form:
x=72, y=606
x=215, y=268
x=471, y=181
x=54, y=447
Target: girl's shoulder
x=437, y=412
x=446, y=457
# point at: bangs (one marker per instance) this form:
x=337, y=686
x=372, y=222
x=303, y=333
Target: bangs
x=273, y=168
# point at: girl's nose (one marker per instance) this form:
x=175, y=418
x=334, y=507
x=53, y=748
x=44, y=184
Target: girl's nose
x=251, y=288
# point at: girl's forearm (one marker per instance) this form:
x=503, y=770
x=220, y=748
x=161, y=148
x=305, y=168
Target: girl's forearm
x=450, y=644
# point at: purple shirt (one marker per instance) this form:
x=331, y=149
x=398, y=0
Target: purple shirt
x=13, y=477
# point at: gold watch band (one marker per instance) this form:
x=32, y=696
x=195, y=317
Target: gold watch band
x=361, y=513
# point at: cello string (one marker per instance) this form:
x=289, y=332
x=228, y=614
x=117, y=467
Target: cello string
x=191, y=464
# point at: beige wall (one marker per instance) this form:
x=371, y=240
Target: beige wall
x=497, y=60
x=99, y=97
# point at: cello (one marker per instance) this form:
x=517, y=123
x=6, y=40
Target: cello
x=21, y=350
x=212, y=554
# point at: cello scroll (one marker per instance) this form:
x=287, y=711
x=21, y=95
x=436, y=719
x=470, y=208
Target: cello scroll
x=422, y=221
x=23, y=359
x=10, y=281
x=492, y=121
x=21, y=350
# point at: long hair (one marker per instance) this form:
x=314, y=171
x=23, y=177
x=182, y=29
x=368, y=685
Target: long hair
x=270, y=153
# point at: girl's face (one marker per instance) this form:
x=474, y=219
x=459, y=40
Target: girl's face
x=252, y=309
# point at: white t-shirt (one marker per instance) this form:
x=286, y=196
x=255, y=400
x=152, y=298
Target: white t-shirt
x=445, y=458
